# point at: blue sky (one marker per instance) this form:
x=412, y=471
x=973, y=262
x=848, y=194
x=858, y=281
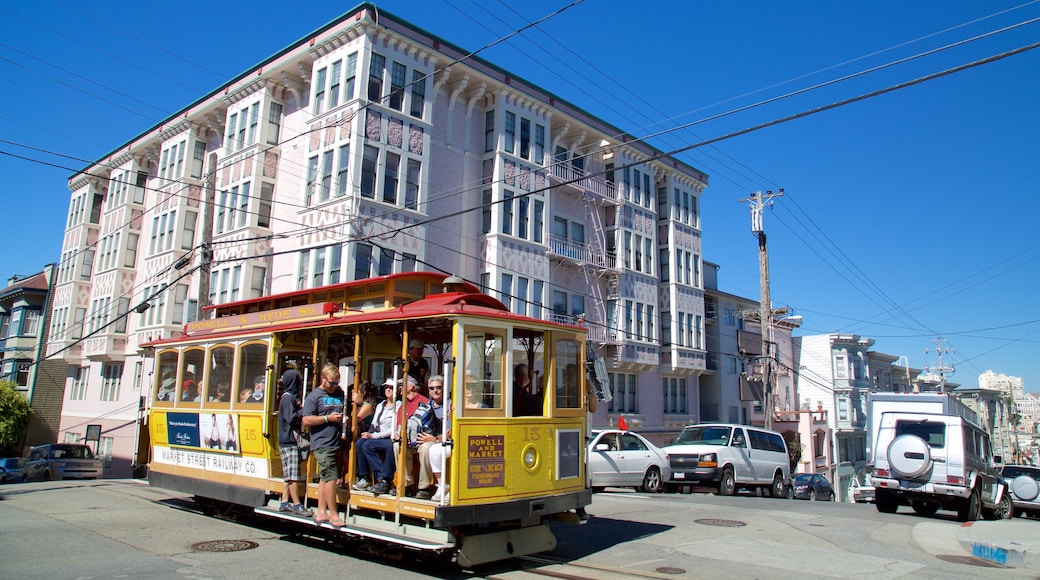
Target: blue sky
x=906, y=216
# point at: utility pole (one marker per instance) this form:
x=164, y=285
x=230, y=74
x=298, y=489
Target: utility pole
x=757, y=203
x=206, y=249
x=940, y=368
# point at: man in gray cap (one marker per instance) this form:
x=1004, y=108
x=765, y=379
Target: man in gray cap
x=418, y=368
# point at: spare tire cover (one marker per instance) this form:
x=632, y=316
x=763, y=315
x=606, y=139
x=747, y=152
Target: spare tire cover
x=1025, y=487
x=909, y=456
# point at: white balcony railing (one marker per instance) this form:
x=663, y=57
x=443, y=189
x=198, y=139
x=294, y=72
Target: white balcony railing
x=579, y=252
x=581, y=178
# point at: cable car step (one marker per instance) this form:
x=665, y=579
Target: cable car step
x=412, y=536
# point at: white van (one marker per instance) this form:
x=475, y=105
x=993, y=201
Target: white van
x=726, y=457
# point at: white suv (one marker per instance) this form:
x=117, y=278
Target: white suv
x=727, y=456
x=933, y=461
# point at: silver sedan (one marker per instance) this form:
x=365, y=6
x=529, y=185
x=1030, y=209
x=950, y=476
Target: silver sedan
x=618, y=458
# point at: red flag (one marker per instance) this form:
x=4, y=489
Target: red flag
x=621, y=424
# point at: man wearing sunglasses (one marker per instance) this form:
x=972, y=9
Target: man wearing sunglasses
x=323, y=414
x=425, y=429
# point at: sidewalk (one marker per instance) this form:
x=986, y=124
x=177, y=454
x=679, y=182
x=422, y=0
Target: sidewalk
x=1014, y=543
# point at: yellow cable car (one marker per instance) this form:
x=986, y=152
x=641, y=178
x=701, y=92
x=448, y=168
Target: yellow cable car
x=514, y=452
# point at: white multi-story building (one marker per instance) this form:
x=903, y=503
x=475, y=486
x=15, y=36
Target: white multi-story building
x=369, y=147
x=1008, y=384
x=1028, y=408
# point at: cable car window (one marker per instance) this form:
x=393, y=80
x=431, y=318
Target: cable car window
x=484, y=362
x=568, y=377
x=166, y=382
x=193, y=363
x=252, y=376
x=528, y=374
x=218, y=378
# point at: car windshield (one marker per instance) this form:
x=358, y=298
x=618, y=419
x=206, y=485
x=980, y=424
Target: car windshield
x=802, y=478
x=711, y=435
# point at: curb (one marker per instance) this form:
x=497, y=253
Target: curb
x=1005, y=553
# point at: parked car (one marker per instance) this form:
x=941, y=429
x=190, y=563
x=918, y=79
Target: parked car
x=812, y=486
x=861, y=492
x=928, y=452
x=11, y=470
x=618, y=458
x=62, y=461
x=1024, y=483
x=728, y=457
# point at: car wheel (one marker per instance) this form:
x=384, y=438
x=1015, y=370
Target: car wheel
x=790, y=492
x=777, y=489
x=1004, y=510
x=970, y=508
x=885, y=502
x=924, y=508
x=727, y=484
x=652, y=480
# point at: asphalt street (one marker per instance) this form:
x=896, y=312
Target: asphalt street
x=119, y=528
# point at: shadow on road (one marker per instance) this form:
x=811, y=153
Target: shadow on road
x=599, y=534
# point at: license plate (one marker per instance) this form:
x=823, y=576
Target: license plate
x=679, y=475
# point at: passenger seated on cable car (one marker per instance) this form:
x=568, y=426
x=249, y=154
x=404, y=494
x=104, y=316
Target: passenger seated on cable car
x=474, y=398
x=375, y=450
x=526, y=401
x=365, y=398
x=168, y=388
x=220, y=375
x=413, y=398
x=221, y=394
x=189, y=389
x=425, y=430
x=259, y=387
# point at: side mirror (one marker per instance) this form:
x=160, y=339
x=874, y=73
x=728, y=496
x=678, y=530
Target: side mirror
x=602, y=447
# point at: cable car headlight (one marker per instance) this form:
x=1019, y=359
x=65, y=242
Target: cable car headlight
x=530, y=457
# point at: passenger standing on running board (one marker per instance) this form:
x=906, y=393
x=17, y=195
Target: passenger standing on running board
x=323, y=413
x=290, y=412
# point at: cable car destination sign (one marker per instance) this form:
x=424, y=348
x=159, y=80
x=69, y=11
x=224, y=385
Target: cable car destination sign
x=249, y=320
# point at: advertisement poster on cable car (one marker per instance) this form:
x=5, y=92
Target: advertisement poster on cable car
x=208, y=433
x=208, y=430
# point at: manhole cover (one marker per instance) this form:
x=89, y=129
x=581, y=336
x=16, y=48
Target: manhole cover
x=670, y=570
x=224, y=546
x=720, y=523
x=968, y=560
